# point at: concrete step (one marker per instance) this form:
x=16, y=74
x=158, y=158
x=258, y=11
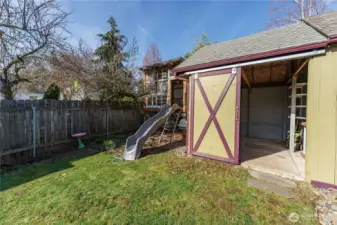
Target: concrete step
x=272, y=179
x=270, y=187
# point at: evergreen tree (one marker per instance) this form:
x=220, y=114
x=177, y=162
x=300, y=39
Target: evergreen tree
x=200, y=43
x=117, y=81
x=113, y=43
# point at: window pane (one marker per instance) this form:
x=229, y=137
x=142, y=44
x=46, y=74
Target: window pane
x=162, y=87
x=164, y=75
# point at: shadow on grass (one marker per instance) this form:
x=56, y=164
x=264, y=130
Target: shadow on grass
x=29, y=172
x=21, y=174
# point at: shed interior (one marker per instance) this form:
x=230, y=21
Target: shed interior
x=266, y=98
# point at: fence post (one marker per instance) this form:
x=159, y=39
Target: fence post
x=34, y=130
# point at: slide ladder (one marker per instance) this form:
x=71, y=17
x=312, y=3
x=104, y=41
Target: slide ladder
x=135, y=143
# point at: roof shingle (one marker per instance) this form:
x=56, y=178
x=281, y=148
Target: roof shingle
x=292, y=35
x=326, y=23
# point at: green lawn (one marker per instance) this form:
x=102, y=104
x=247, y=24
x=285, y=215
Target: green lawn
x=157, y=189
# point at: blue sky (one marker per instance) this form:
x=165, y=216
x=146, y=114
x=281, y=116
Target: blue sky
x=172, y=25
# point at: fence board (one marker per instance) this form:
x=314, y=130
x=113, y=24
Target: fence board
x=5, y=132
x=55, y=122
x=29, y=128
x=37, y=132
x=45, y=129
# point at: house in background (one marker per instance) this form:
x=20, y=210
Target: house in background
x=161, y=86
x=248, y=97
x=28, y=96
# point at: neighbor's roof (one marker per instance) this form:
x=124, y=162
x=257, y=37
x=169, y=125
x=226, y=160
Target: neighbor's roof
x=171, y=62
x=326, y=23
x=299, y=37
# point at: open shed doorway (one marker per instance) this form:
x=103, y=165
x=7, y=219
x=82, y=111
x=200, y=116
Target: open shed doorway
x=265, y=117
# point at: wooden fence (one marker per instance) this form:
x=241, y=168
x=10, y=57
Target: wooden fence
x=55, y=121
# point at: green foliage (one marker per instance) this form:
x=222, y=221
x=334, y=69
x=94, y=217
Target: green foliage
x=9, y=92
x=118, y=79
x=111, y=144
x=156, y=189
x=87, y=98
x=113, y=43
x=200, y=43
x=53, y=92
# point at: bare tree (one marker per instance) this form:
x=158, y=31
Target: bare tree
x=108, y=73
x=152, y=56
x=286, y=12
x=80, y=63
x=63, y=68
x=31, y=30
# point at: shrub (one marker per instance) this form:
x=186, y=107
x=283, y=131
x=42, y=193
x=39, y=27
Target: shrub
x=53, y=92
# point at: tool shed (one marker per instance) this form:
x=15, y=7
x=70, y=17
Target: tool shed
x=268, y=101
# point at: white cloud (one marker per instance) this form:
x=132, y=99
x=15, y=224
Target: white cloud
x=142, y=29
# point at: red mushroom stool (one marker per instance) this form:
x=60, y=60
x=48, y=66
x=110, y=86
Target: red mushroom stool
x=78, y=136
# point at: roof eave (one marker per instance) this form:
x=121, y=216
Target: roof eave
x=278, y=52
x=172, y=62
x=332, y=39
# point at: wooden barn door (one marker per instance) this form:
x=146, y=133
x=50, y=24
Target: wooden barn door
x=215, y=114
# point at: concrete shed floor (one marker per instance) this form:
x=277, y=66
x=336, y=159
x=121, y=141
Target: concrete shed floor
x=271, y=157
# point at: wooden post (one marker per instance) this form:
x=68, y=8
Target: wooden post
x=169, y=90
x=145, y=86
x=299, y=69
x=184, y=95
x=293, y=115
x=245, y=78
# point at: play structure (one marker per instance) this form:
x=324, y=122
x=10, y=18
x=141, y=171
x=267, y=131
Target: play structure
x=78, y=136
x=135, y=143
x=172, y=124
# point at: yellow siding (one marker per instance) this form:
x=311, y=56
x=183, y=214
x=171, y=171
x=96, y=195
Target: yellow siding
x=321, y=152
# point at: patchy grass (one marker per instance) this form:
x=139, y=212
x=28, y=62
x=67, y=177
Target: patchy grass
x=157, y=189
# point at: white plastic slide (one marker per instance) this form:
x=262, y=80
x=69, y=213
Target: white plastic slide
x=135, y=143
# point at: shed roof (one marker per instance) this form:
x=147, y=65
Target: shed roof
x=292, y=35
x=326, y=23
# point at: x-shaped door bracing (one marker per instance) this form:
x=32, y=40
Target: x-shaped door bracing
x=212, y=116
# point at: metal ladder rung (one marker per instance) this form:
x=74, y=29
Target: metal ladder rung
x=174, y=128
